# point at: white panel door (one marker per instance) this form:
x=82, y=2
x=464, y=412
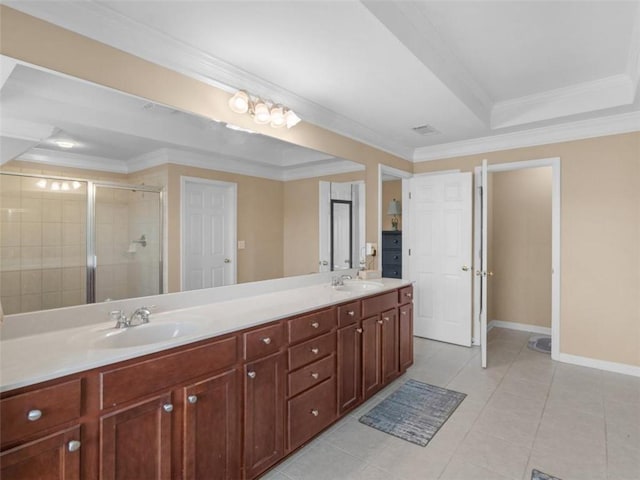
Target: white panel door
x=208, y=234
x=440, y=261
x=484, y=222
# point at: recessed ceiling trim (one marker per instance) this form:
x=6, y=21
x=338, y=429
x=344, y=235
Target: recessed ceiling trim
x=74, y=160
x=597, y=127
x=614, y=91
x=108, y=26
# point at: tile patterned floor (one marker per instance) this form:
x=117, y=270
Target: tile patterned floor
x=524, y=411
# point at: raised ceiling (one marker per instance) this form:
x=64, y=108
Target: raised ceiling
x=485, y=75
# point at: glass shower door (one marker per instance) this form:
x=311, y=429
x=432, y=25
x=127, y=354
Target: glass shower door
x=128, y=242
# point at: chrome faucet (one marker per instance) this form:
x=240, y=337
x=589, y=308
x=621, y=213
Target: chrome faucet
x=338, y=281
x=139, y=317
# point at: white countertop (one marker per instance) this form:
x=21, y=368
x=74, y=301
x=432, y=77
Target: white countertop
x=31, y=359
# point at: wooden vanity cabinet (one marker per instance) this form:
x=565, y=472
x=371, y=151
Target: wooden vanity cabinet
x=405, y=329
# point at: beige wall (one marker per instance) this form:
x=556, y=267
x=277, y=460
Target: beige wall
x=390, y=189
x=600, y=240
x=301, y=223
x=520, y=208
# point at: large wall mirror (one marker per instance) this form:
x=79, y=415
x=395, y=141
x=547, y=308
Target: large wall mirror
x=151, y=198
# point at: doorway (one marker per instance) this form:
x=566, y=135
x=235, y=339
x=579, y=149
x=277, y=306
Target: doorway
x=517, y=227
x=208, y=233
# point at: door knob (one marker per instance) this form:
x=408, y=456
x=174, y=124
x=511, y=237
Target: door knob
x=465, y=268
x=227, y=260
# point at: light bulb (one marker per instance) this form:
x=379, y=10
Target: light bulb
x=55, y=186
x=261, y=113
x=76, y=185
x=41, y=183
x=64, y=144
x=277, y=117
x=65, y=186
x=239, y=103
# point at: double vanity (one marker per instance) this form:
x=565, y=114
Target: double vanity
x=220, y=390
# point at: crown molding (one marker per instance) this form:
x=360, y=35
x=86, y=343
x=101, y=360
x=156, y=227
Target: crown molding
x=321, y=170
x=74, y=160
x=597, y=127
x=614, y=91
x=108, y=26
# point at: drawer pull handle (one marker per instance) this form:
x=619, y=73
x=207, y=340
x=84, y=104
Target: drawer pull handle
x=315, y=325
x=167, y=407
x=315, y=350
x=315, y=412
x=408, y=295
x=73, y=445
x=359, y=330
x=351, y=313
x=34, y=415
x=380, y=322
x=315, y=375
x=251, y=374
x=266, y=340
x=192, y=399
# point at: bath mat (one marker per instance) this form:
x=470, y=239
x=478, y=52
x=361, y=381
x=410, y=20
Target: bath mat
x=538, y=475
x=414, y=412
x=540, y=343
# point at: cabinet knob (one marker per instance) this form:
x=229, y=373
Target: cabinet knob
x=408, y=295
x=34, y=415
x=315, y=325
x=351, y=313
x=403, y=313
x=73, y=445
x=315, y=375
x=359, y=330
x=266, y=340
x=251, y=374
x=192, y=399
x=315, y=412
x=386, y=319
x=167, y=407
x=315, y=350
x=380, y=322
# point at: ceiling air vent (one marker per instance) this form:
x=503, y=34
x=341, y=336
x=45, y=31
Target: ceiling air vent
x=425, y=130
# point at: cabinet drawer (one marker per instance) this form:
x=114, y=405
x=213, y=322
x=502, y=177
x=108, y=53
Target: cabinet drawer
x=392, y=257
x=312, y=350
x=311, y=375
x=311, y=325
x=375, y=305
x=391, y=240
x=263, y=341
x=310, y=412
x=348, y=314
x=405, y=295
x=143, y=378
x=47, y=408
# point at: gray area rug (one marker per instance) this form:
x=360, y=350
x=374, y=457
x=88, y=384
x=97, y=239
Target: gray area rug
x=414, y=412
x=538, y=475
x=540, y=343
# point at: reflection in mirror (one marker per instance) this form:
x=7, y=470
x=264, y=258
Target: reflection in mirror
x=341, y=236
x=391, y=221
x=56, y=126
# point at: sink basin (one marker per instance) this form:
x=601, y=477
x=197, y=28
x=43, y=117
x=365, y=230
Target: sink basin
x=359, y=286
x=143, y=334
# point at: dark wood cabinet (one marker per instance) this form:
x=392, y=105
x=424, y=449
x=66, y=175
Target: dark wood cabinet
x=389, y=340
x=371, y=355
x=264, y=403
x=211, y=428
x=135, y=442
x=53, y=457
x=349, y=367
x=405, y=329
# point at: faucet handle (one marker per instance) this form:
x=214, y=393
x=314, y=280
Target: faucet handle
x=119, y=317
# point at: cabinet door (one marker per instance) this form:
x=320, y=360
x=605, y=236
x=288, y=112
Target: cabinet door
x=349, y=367
x=50, y=458
x=212, y=428
x=136, y=441
x=371, y=355
x=390, y=350
x=406, y=336
x=264, y=403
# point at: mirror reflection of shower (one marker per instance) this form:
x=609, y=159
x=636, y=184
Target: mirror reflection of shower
x=56, y=235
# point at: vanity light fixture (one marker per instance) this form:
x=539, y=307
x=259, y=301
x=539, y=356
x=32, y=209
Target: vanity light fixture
x=59, y=186
x=263, y=112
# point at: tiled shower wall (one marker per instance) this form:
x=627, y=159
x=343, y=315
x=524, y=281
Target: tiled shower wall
x=42, y=245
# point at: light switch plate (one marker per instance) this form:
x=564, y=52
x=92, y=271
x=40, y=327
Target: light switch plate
x=241, y=245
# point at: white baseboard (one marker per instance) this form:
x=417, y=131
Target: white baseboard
x=599, y=364
x=519, y=326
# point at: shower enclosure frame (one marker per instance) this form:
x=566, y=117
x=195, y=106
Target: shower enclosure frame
x=91, y=261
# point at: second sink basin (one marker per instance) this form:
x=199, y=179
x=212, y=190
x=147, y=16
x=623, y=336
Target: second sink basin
x=359, y=286
x=143, y=334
